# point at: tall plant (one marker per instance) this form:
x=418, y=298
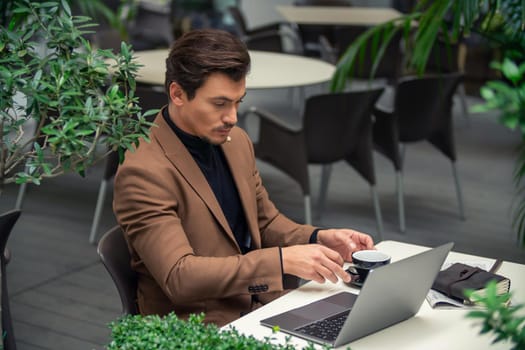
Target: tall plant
x=502, y=22
x=60, y=99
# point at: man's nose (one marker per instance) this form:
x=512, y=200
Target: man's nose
x=231, y=116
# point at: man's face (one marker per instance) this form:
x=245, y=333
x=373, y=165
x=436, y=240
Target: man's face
x=212, y=113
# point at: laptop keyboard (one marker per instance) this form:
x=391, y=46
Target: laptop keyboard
x=327, y=329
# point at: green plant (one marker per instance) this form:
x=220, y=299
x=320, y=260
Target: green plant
x=53, y=79
x=96, y=9
x=508, y=96
x=502, y=22
x=59, y=102
x=169, y=332
x=496, y=317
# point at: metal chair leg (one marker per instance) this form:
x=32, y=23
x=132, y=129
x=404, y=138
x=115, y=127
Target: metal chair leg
x=98, y=211
x=400, y=201
x=377, y=209
x=307, y=210
x=326, y=172
x=458, y=192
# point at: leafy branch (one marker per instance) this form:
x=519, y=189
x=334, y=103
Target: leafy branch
x=60, y=99
x=496, y=317
x=150, y=332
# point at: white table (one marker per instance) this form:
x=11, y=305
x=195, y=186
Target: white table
x=268, y=69
x=337, y=15
x=430, y=329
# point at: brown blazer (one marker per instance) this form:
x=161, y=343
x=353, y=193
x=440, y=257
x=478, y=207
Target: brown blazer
x=183, y=249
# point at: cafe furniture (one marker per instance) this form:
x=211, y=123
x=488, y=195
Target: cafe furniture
x=335, y=127
x=421, y=110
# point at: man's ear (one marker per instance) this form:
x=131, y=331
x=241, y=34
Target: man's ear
x=177, y=94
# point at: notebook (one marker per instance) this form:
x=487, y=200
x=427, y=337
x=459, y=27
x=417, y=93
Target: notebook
x=390, y=294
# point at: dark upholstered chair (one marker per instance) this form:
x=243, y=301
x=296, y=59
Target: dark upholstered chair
x=446, y=58
x=264, y=38
x=149, y=98
x=311, y=33
x=114, y=253
x=7, y=221
x=422, y=110
x=335, y=127
x=390, y=66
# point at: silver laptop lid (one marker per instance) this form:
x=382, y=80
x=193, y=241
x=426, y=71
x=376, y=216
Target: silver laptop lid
x=393, y=293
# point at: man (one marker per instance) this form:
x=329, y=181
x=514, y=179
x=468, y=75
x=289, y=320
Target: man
x=204, y=235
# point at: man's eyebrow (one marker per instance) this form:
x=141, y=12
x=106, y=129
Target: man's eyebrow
x=225, y=98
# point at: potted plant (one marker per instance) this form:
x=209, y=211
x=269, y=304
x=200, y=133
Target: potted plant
x=500, y=22
x=63, y=105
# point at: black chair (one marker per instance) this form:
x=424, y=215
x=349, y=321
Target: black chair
x=335, y=127
x=390, y=66
x=114, y=253
x=422, y=110
x=263, y=38
x=7, y=221
x=150, y=97
x=151, y=27
x=448, y=58
x=311, y=33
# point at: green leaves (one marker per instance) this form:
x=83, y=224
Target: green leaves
x=505, y=322
x=54, y=83
x=169, y=332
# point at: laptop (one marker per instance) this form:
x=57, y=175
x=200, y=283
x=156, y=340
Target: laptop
x=391, y=293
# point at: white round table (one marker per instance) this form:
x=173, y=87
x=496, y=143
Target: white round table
x=269, y=70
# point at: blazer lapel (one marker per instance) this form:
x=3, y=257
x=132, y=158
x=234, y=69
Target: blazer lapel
x=181, y=159
x=246, y=193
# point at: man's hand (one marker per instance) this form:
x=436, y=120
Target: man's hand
x=314, y=262
x=345, y=241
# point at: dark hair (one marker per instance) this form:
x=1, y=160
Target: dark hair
x=198, y=53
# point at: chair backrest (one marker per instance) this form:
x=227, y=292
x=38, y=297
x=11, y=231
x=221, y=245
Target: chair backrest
x=423, y=106
x=389, y=67
x=443, y=58
x=238, y=19
x=7, y=221
x=114, y=253
x=336, y=124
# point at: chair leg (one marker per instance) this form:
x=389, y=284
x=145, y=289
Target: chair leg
x=458, y=192
x=307, y=210
x=400, y=201
x=326, y=172
x=463, y=99
x=377, y=209
x=20, y=197
x=402, y=152
x=98, y=211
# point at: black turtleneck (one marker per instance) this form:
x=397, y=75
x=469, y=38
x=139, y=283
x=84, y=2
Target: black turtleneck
x=210, y=159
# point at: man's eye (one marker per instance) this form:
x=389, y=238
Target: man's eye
x=220, y=104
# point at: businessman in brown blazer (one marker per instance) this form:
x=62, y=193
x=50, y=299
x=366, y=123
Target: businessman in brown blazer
x=203, y=233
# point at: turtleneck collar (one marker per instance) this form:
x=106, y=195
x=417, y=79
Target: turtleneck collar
x=193, y=143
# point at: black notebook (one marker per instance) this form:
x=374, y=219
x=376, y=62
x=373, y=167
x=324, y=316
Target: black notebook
x=454, y=280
